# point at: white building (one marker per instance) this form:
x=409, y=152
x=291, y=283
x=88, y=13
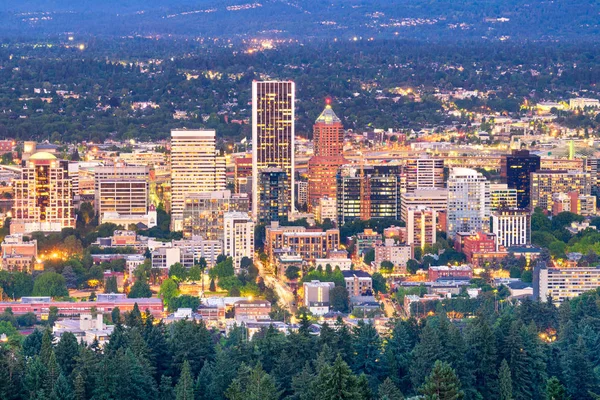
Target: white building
x=564, y=283
x=436, y=199
x=85, y=329
x=512, y=227
x=316, y=296
x=195, y=168
x=326, y=208
x=582, y=102
x=238, y=237
x=468, y=201
x=122, y=191
x=344, y=264
x=397, y=254
x=421, y=226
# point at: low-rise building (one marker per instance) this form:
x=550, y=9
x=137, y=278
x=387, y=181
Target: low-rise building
x=18, y=254
x=316, y=296
x=560, y=284
x=309, y=244
x=397, y=254
x=86, y=329
x=252, y=310
x=344, y=264
x=358, y=283
x=437, y=272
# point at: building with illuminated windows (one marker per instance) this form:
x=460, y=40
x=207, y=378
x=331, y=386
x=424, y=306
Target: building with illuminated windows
x=272, y=203
x=328, y=140
x=273, y=136
x=43, y=196
x=468, y=201
x=501, y=196
x=239, y=237
x=512, y=227
x=516, y=169
x=368, y=192
x=421, y=226
x=195, y=168
x=560, y=284
x=424, y=173
x=121, y=189
x=544, y=184
x=203, y=213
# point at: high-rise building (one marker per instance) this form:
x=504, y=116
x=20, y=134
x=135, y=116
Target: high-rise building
x=301, y=192
x=424, y=173
x=516, y=169
x=203, y=213
x=273, y=138
x=368, y=192
x=436, y=199
x=272, y=201
x=421, y=226
x=468, y=201
x=501, y=196
x=243, y=175
x=328, y=140
x=195, y=168
x=121, y=189
x=239, y=237
x=512, y=227
x=43, y=196
x=544, y=184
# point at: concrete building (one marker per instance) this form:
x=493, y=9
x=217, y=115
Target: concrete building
x=397, y=254
x=309, y=244
x=468, y=201
x=86, y=329
x=344, y=264
x=272, y=197
x=424, y=173
x=444, y=271
x=544, y=184
x=18, y=255
x=358, y=283
x=43, y=196
x=242, y=173
x=562, y=284
x=273, y=138
x=316, y=296
x=238, y=237
x=512, y=227
x=123, y=190
x=581, y=103
x=421, y=226
x=195, y=168
x=301, y=192
x=435, y=199
x=325, y=208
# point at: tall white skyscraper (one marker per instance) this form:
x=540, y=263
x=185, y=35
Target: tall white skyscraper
x=468, y=201
x=273, y=134
x=195, y=168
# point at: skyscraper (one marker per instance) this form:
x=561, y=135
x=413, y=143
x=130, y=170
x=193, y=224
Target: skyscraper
x=424, y=173
x=468, y=201
x=43, y=196
x=195, y=168
x=121, y=189
x=273, y=136
x=273, y=195
x=328, y=141
x=516, y=169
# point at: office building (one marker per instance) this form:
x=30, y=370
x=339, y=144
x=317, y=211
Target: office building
x=302, y=193
x=325, y=208
x=195, y=168
x=242, y=173
x=424, y=173
x=544, y=184
x=121, y=189
x=309, y=244
x=501, y=196
x=273, y=201
x=560, y=284
x=328, y=140
x=239, y=237
x=273, y=136
x=316, y=296
x=203, y=212
x=396, y=253
x=435, y=199
x=512, y=227
x=468, y=201
x=516, y=169
x=43, y=196
x=368, y=192
x=421, y=226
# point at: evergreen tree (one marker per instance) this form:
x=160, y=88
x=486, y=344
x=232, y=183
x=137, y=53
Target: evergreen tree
x=579, y=375
x=481, y=352
x=442, y=383
x=46, y=348
x=252, y=384
x=201, y=386
x=425, y=353
x=110, y=285
x=133, y=319
x=303, y=384
x=388, y=391
x=62, y=390
x=337, y=382
x=32, y=344
x=66, y=352
x=79, y=388
x=505, y=382
x=555, y=390
x=185, y=386
x=36, y=377
x=367, y=349
x=344, y=344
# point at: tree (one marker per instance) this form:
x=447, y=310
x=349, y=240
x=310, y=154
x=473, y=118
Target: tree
x=66, y=351
x=185, y=386
x=195, y=273
x=337, y=382
x=442, y=383
x=50, y=284
x=212, y=287
x=367, y=349
x=339, y=299
x=292, y=272
x=379, y=283
x=555, y=390
x=388, y=391
x=386, y=267
x=505, y=382
x=79, y=388
x=412, y=266
x=110, y=286
x=369, y=256
x=252, y=384
x=70, y=277
x=140, y=289
x=178, y=272
x=579, y=375
x=62, y=390
x=168, y=290
x=165, y=390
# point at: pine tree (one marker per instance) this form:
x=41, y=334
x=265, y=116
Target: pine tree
x=505, y=382
x=252, y=384
x=481, y=352
x=52, y=372
x=165, y=390
x=36, y=376
x=337, y=382
x=62, y=390
x=425, y=353
x=212, y=287
x=388, y=391
x=66, y=352
x=185, y=386
x=397, y=355
x=201, y=386
x=79, y=388
x=303, y=384
x=555, y=390
x=344, y=341
x=579, y=375
x=442, y=383
x=367, y=349
x=46, y=348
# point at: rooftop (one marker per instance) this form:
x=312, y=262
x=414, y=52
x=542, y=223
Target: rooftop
x=328, y=117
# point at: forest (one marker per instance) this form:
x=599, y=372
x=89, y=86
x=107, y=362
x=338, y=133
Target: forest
x=528, y=351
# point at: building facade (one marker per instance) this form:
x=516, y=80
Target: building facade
x=516, y=169
x=544, y=184
x=195, y=168
x=273, y=200
x=121, y=189
x=468, y=201
x=501, y=197
x=512, y=227
x=421, y=226
x=424, y=173
x=273, y=136
x=560, y=284
x=239, y=237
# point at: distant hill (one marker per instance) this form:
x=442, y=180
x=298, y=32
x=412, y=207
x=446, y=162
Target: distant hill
x=344, y=19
